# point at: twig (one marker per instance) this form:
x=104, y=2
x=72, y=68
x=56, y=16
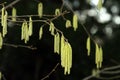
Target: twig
x=102, y=71
x=47, y=76
x=11, y=4
x=23, y=46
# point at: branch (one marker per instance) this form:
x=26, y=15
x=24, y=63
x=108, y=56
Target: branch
x=104, y=70
x=53, y=70
x=16, y=46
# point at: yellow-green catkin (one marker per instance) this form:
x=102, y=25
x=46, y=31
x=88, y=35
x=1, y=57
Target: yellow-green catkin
x=40, y=33
x=68, y=24
x=88, y=46
x=98, y=56
x=66, y=55
x=99, y=5
x=14, y=13
x=1, y=40
x=51, y=28
x=57, y=11
x=5, y=24
x=75, y=22
x=2, y=16
x=30, y=30
x=40, y=9
x=24, y=32
x=57, y=43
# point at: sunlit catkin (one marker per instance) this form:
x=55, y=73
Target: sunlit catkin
x=14, y=12
x=5, y=24
x=97, y=55
x=40, y=9
x=26, y=32
x=68, y=24
x=51, y=28
x=88, y=45
x=23, y=31
x=57, y=12
x=30, y=26
x=2, y=16
x=66, y=55
x=99, y=5
x=1, y=40
x=40, y=33
x=57, y=43
x=75, y=22
x=62, y=51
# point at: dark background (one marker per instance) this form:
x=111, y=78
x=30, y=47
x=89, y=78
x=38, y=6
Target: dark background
x=25, y=64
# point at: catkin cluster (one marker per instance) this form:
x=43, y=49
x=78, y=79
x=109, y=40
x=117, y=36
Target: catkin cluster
x=66, y=55
x=98, y=53
x=26, y=30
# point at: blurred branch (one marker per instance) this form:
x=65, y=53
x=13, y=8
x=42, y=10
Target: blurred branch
x=53, y=70
x=105, y=70
x=23, y=46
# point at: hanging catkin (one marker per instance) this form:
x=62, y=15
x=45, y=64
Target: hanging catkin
x=40, y=32
x=75, y=22
x=88, y=45
x=30, y=26
x=99, y=5
x=40, y=9
x=57, y=43
x=1, y=40
x=2, y=16
x=66, y=55
x=23, y=31
x=26, y=32
x=5, y=24
x=98, y=56
x=68, y=24
x=57, y=12
x=51, y=28
x=14, y=12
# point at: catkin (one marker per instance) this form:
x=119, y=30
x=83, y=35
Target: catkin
x=75, y=22
x=40, y=33
x=99, y=5
x=1, y=40
x=30, y=26
x=68, y=24
x=14, y=12
x=57, y=12
x=99, y=56
x=51, y=28
x=66, y=55
x=2, y=16
x=40, y=9
x=24, y=32
x=58, y=43
x=88, y=46
x=5, y=24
